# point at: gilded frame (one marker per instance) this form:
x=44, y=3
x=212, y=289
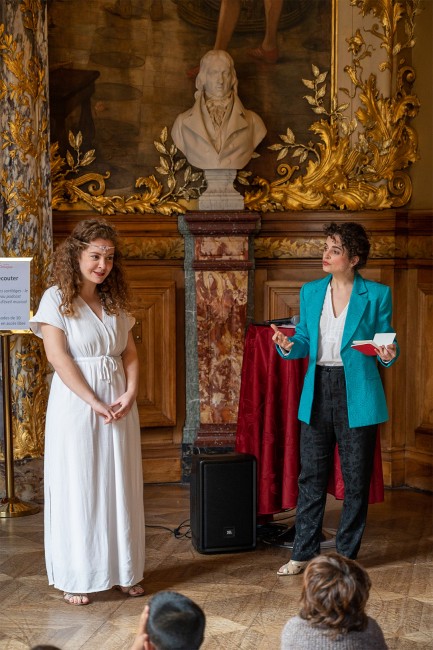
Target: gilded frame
x=357, y=159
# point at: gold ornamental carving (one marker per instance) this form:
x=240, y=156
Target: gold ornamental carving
x=285, y=248
x=181, y=183
x=24, y=138
x=167, y=248
x=349, y=164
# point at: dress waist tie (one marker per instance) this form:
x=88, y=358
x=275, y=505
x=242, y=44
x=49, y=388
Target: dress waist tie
x=107, y=365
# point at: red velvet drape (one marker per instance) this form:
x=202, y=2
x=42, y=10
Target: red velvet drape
x=268, y=426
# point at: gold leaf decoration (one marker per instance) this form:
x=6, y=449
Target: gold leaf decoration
x=355, y=164
x=369, y=174
x=151, y=249
x=284, y=248
x=183, y=184
x=25, y=226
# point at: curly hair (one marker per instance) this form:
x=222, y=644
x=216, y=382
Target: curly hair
x=334, y=594
x=113, y=291
x=205, y=62
x=354, y=240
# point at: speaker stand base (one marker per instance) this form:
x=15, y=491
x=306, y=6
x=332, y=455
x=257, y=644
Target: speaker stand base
x=283, y=536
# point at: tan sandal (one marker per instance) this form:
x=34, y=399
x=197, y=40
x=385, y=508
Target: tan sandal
x=135, y=591
x=292, y=568
x=82, y=599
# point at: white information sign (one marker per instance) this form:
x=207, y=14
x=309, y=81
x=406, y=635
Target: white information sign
x=14, y=293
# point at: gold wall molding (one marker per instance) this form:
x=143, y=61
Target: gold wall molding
x=420, y=248
x=350, y=163
x=153, y=248
x=284, y=248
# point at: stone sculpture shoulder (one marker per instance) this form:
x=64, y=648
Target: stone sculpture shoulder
x=228, y=140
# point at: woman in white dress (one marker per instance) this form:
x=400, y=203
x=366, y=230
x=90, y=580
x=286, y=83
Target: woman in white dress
x=94, y=517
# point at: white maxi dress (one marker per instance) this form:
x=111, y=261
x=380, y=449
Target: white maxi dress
x=93, y=515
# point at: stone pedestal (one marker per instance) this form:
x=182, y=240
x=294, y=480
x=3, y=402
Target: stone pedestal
x=219, y=270
x=220, y=193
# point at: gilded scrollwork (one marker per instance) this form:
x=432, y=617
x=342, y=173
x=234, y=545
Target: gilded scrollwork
x=354, y=164
x=182, y=183
x=24, y=180
x=30, y=398
x=285, y=248
x=341, y=172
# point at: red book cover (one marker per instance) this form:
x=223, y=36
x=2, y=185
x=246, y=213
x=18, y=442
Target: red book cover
x=365, y=348
x=369, y=347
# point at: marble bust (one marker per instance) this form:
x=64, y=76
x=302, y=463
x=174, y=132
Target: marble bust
x=217, y=132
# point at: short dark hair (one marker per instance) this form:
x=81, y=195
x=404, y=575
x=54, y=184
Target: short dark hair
x=334, y=594
x=354, y=239
x=175, y=622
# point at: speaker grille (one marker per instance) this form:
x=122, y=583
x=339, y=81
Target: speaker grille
x=223, y=502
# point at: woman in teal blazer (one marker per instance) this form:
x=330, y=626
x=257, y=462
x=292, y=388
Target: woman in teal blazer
x=342, y=399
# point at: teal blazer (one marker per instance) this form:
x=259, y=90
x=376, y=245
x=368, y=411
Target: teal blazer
x=369, y=312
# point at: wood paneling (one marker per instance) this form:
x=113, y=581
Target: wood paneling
x=154, y=307
x=158, y=304
x=281, y=299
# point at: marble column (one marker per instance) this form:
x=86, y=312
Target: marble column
x=219, y=267
x=25, y=207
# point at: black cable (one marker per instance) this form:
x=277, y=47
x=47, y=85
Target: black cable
x=176, y=532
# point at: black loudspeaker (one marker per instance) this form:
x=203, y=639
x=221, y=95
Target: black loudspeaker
x=223, y=502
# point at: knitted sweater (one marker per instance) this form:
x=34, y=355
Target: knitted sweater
x=299, y=634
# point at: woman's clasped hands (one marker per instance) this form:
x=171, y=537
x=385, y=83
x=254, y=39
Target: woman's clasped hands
x=115, y=411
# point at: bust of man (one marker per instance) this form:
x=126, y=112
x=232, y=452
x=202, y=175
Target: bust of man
x=217, y=132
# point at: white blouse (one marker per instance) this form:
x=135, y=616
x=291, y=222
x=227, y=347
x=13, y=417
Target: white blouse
x=330, y=333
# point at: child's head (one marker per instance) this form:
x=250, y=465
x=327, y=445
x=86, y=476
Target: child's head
x=335, y=593
x=175, y=622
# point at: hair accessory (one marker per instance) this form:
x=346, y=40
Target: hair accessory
x=104, y=249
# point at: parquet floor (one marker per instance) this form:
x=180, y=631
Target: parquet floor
x=245, y=602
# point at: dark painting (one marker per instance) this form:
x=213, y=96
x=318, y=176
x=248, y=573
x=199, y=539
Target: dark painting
x=121, y=70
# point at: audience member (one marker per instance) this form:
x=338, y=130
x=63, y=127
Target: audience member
x=334, y=595
x=170, y=621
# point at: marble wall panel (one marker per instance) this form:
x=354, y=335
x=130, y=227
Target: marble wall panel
x=221, y=315
x=222, y=248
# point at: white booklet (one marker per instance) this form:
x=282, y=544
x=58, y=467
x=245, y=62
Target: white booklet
x=379, y=339
x=369, y=347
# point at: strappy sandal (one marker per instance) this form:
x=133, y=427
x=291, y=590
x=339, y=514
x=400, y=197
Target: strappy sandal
x=135, y=591
x=83, y=599
x=292, y=568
